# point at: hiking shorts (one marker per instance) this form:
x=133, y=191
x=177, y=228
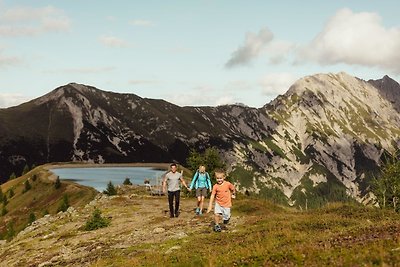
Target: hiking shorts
x=201, y=192
x=225, y=212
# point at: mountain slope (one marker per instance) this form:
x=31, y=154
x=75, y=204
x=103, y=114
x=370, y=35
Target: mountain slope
x=320, y=141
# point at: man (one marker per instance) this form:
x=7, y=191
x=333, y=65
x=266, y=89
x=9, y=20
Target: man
x=173, y=179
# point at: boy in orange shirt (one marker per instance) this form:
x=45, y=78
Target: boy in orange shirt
x=223, y=192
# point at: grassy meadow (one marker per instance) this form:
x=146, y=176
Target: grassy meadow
x=270, y=235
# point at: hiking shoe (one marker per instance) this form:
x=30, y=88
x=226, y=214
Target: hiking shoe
x=200, y=213
x=226, y=221
x=197, y=211
x=217, y=228
x=177, y=214
x=171, y=216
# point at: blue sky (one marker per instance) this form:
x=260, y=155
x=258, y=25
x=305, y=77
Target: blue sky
x=192, y=53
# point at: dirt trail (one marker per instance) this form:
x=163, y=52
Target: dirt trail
x=136, y=219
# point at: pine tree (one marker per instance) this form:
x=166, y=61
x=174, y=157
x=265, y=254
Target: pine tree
x=27, y=186
x=11, y=193
x=12, y=176
x=10, y=231
x=111, y=191
x=34, y=177
x=25, y=170
x=64, y=204
x=32, y=218
x=57, y=183
x=96, y=221
x=5, y=200
x=127, y=181
x=4, y=211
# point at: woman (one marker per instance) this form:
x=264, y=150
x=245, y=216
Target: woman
x=201, y=182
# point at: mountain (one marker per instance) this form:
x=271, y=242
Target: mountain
x=320, y=141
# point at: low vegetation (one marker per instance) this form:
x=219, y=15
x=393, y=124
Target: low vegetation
x=270, y=235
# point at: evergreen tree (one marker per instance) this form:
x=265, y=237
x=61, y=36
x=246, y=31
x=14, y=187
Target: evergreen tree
x=32, y=218
x=57, y=183
x=12, y=176
x=25, y=170
x=111, y=191
x=27, y=186
x=11, y=193
x=127, y=181
x=4, y=211
x=34, y=177
x=64, y=204
x=96, y=221
x=5, y=200
x=10, y=231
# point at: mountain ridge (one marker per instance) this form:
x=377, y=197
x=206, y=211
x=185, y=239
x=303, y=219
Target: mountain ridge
x=315, y=137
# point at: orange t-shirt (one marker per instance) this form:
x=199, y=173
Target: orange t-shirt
x=223, y=194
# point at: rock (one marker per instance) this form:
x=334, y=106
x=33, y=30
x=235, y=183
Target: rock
x=158, y=230
x=171, y=249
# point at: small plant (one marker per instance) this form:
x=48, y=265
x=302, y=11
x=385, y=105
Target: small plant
x=96, y=221
x=64, y=204
x=57, y=183
x=111, y=191
x=45, y=212
x=127, y=181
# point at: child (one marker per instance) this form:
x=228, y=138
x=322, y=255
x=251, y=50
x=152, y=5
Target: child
x=223, y=192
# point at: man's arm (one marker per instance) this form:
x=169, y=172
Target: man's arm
x=164, y=184
x=184, y=183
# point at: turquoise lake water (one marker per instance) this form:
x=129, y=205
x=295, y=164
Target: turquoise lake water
x=98, y=178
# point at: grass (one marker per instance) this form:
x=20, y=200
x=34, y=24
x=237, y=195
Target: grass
x=335, y=235
x=40, y=198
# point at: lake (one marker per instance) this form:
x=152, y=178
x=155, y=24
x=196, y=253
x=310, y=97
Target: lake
x=99, y=177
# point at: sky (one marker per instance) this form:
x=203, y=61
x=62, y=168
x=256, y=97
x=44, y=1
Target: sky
x=192, y=53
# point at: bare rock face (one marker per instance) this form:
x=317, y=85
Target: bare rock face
x=322, y=140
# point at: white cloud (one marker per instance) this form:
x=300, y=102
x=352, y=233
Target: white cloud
x=277, y=83
x=27, y=21
x=112, y=41
x=355, y=39
x=278, y=51
x=6, y=61
x=252, y=47
x=141, y=22
x=10, y=99
x=225, y=100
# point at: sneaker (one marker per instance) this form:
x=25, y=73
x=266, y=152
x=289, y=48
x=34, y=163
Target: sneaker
x=177, y=214
x=217, y=228
x=200, y=213
x=226, y=221
x=197, y=211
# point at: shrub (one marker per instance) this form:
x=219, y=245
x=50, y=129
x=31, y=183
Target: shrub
x=96, y=221
x=11, y=193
